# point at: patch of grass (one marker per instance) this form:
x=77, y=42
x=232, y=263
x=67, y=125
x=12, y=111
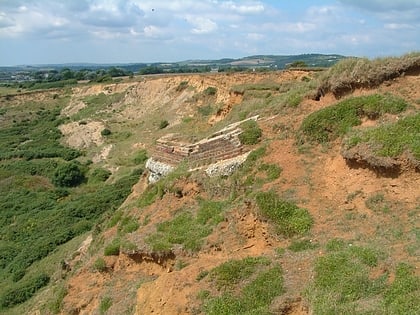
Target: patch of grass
x=377, y=202
x=182, y=86
x=402, y=296
x=302, y=245
x=128, y=224
x=251, y=132
x=56, y=304
x=186, y=228
x=99, y=265
x=334, y=121
x=352, y=73
x=342, y=281
x=272, y=171
x=180, y=264
x=256, y=287
x=390, y=140
x=105, y=304
x=210, y=91
x=113, y=248
x=206, y=110
x=232, y=272
x=183, y=230
x=256, y=87
x=23, y=290
x=97, y=105
x=100, y=175
x=210, y=212
x=287, y=218
x=202, y=275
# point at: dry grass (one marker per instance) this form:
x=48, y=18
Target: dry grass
x=352, y=73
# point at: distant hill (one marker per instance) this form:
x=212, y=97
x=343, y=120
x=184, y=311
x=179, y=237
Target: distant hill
x=273, y=61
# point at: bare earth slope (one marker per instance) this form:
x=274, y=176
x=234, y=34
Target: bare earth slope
x=316, y=177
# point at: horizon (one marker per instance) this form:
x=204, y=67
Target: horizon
x=125, y=32
x=81, y=63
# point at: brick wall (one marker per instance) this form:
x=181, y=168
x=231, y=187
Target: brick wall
x=222, y=145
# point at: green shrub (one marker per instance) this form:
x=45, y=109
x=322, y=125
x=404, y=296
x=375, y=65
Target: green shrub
x=68, y=175
x=106, y=132
x=140, y=157
x=287, y=218
x=112, y=249
x=128, y=225
x=251, y=132
x=100, y=174
x=163, y=124
x=210, y=91
x=56, y=304
x=205, y=110
x=334, y=121
x=99, y=264
x=23, y=291
x=182, y=86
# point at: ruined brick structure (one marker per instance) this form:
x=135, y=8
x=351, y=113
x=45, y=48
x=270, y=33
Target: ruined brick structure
x=222, y=145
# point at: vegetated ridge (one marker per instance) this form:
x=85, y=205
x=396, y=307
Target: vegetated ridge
x=321, y=218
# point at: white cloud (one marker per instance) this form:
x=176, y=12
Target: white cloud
x=255, y=36
x=250, y=8
x=201, y=25
x=398, y=26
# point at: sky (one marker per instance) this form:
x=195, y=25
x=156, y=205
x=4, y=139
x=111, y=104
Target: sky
x=132, y=31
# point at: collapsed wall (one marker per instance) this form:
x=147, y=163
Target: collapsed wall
x=220, y=146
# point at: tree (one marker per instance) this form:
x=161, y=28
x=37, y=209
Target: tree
x=68, y=175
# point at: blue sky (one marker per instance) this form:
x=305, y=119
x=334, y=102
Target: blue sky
x=113, y=31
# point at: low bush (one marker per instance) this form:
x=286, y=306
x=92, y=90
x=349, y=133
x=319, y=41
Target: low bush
x=68, y=175
x=163, y=124
x=287, y=218
x=113, y=248
x=251, y=132
x=140, y=157
x=105, y=132
x=100, y=174
x=334, y=121
x=182, y=86
x=23, y=291
x=127, y=225
x=99, y=264
x=210, y=91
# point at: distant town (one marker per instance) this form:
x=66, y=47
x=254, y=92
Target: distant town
x=58, y=75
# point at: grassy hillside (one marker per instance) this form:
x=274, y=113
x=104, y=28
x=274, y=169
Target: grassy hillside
x=313, y=221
